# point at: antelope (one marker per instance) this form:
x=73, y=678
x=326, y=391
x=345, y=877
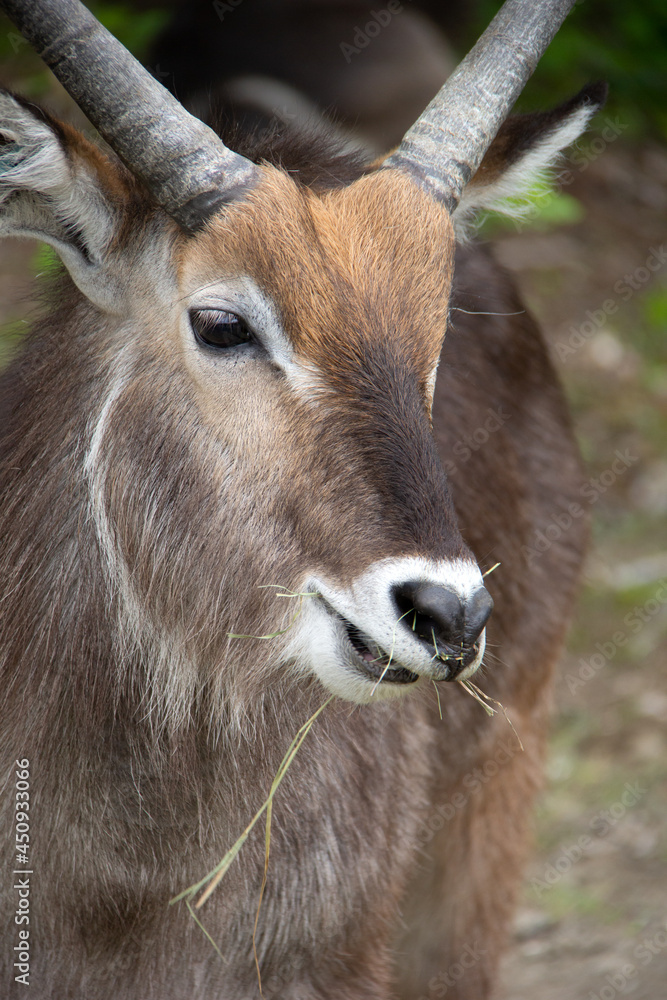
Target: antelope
x=236, y=395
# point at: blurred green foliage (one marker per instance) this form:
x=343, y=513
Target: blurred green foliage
x=542, y=208
x=134, y=28
x=613, y=40
x=45, y=260
x=655, y=315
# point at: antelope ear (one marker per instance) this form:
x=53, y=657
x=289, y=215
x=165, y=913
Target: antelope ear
x=57, y=187
x=524, y=149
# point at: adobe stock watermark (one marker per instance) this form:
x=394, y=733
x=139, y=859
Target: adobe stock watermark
x=440, y=985
x=561, y=521
x=624, y=288
x=15, y=40
x=364, y=35
x=617, y=982
x=635, y=621
x=22, y=872
x=469, y=443
x=472, y=783
x=600, y=825
x=161, y=75
x=223, y=8
x=581, y=157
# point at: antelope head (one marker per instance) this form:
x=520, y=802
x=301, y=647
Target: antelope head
x=265, y=356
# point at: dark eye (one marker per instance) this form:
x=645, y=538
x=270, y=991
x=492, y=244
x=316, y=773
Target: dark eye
x=216, y=328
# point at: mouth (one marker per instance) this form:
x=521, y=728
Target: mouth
x=373, y=661
x=449, y=664
x=366, y=641
x=455, y=661
x=381, y=666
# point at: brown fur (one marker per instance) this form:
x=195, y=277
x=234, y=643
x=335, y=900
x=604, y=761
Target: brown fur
x=154, y=738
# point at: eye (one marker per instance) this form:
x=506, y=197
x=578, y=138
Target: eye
x=216, y=328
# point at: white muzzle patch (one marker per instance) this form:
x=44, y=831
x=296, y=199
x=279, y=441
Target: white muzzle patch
x=358, y=644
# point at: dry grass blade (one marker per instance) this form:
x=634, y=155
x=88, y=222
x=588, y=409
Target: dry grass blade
x=272, y=635
x=286, y=593
x=267, y=848
x=484, y=699
x=437, y=694
x=210, y=881
x=391, y=652
x=467, y=686
x=495, y=566
x=200, y=925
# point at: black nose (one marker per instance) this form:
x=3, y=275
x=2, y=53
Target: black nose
x=439, y=616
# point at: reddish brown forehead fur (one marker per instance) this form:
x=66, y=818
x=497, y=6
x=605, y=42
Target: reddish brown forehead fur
x=345, y=267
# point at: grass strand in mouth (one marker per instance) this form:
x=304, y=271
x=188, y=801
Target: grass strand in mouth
x=286, y=593
x=484, y=700
x=437, y=694
x=391, y=653
x=214, y=877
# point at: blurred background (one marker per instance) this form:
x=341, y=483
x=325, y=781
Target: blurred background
x=590, y=259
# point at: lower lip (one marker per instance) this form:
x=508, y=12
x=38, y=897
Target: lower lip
x=378, y=668
x=391, y=675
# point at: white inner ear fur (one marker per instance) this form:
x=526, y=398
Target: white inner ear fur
x=46, y=195
x=522, y=175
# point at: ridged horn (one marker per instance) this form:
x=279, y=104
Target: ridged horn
x=446, y=144
x=181, y=161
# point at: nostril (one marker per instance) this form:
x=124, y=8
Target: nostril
x=438, y=615
x=431, y=611
x=478, y=609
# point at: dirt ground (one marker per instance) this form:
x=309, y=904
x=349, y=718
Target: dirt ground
x=593, y=918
